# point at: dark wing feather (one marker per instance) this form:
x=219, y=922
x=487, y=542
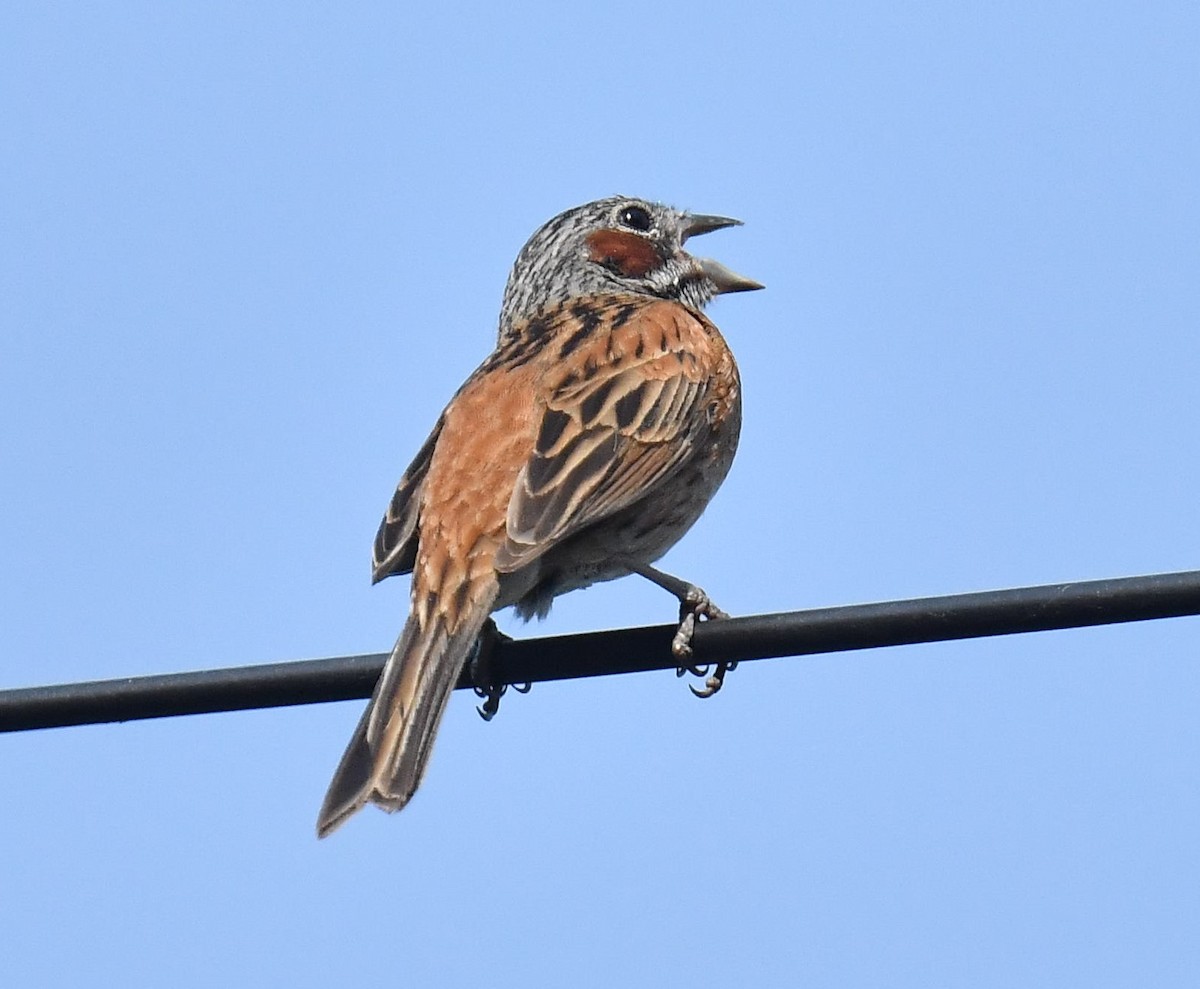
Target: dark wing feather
x=395, y=550
x=609, y=438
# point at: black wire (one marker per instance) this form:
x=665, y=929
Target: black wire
x=796, y=633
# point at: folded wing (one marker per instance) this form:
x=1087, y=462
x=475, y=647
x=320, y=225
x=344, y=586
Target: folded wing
x=621, y=418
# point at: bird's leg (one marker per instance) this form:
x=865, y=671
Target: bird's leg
x=482, y=674
x=694, y=604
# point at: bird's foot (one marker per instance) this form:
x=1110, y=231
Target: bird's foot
x=482, y=674
x=491, y=706
x=694, y=604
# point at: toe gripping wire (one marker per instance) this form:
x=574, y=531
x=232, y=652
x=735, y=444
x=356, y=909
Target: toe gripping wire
x=483, y=673
x=694, y=605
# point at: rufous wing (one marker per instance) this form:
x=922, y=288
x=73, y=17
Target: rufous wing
x=623, y=415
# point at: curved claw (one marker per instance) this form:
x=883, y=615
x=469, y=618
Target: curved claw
x=696, y=671
x=482, y=672
x=694, y=605
x=490, y=707
x=716, y=681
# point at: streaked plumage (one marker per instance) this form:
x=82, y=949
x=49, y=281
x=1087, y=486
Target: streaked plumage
x=588, y=442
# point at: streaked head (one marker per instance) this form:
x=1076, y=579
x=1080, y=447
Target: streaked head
x=619, y=244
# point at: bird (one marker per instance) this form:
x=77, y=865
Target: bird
x=579, y=451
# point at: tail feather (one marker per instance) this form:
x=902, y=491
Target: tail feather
x=386, y=757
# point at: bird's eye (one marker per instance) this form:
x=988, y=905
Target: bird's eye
x=635, y=218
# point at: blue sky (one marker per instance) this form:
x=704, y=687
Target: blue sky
x=249, y=251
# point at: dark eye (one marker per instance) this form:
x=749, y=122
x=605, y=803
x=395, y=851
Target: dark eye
x=635, y=218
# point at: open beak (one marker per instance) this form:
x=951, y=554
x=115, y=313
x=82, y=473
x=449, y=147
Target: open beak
x=695, y=224
x=723, y=278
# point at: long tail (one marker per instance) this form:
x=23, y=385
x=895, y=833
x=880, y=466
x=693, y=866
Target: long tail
x=386, y=757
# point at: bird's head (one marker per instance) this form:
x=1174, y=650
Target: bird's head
x=619, y=244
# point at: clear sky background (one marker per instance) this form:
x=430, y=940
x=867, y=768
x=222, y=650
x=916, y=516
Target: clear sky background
x=248, y=251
